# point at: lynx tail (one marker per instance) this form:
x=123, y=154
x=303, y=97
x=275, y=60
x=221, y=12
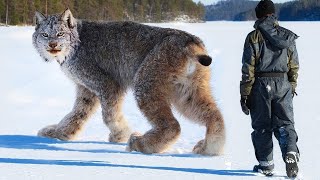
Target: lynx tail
x=204, y=60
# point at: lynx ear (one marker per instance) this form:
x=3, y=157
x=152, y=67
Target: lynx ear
x=67, y=17
x=39, y=17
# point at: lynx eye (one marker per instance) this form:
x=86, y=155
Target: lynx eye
x=60, y=34
x=45, y=35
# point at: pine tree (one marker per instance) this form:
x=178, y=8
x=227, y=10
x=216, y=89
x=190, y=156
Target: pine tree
x=2, y=11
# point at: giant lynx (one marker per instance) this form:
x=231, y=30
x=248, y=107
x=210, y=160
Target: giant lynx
x=163, y=67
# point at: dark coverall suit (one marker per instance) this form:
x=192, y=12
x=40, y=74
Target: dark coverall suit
x=269, y=77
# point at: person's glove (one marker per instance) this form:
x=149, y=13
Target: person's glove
x=294, y=94
x=244, y=104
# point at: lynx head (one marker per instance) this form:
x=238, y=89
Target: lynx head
x=55, y=36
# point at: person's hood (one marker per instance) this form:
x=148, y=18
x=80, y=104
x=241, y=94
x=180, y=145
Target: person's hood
x=277, y=35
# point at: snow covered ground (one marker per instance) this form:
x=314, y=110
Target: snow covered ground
x=35, y=94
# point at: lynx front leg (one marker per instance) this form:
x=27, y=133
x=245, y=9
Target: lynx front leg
x=111, y=103
x=67, y=129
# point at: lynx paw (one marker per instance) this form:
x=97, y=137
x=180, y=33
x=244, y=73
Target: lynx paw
x=202, y=148
x=51, y=132
x=133, y=143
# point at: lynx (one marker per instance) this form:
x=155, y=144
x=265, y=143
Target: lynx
x=164, y=67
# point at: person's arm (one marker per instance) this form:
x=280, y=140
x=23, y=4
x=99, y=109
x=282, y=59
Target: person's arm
x=293, y=65
x=248, y=68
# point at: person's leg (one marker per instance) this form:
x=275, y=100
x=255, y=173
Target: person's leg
x=283, y=120
x=260, y=109
x=263, y=146
x=287, y=137
x=284, y=130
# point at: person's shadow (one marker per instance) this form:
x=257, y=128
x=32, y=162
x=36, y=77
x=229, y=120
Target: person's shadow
x=40, y=143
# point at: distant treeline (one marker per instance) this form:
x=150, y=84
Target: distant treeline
x=22, y=11
x=242, y=10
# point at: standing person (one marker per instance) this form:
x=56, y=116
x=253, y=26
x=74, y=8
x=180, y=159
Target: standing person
x=269, y=78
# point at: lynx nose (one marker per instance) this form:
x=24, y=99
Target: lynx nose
x=53, y=44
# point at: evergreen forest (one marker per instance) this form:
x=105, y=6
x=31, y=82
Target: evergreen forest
x=21, y=12
x=243, y=10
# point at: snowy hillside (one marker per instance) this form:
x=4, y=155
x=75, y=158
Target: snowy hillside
x=35, y=94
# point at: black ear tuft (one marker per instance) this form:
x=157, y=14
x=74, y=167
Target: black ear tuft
x=39, y=17
x=204, y=60
x=67, y=17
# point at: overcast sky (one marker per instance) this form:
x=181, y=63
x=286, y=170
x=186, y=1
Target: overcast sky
x=208, y=2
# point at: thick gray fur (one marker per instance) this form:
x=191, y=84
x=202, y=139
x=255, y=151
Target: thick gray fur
x=160, y=65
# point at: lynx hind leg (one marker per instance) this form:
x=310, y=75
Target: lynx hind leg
x=165, y=128
x=152, y=91
x=85, y=105
x=194, y=100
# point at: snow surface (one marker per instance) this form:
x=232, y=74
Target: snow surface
x=35, y=94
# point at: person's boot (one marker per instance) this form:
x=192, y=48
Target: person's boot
x=265, y=170
x=291, y=160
